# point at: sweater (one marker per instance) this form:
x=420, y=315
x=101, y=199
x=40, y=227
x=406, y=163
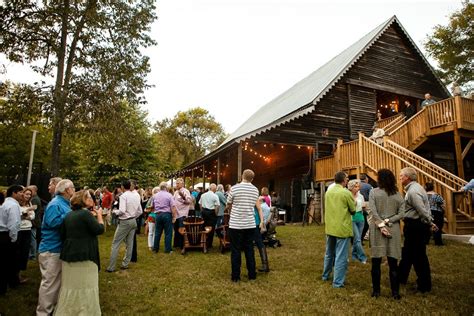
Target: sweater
x=79, y=234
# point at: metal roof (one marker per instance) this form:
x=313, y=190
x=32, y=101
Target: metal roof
x=301, y=98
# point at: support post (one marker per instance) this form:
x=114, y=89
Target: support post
x=451, y=213
x=192, y=178
x=323, y=196
x=239, y=163
x=361, y=155
x=458, y=111
x=203, y=178
x=32, y=154
x=338, y=154
x=458, y=149
x=218, y=170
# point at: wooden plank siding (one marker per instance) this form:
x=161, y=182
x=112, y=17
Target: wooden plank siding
x=363, y=109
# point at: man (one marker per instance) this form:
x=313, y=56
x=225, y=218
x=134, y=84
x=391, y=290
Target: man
x=51, y=245
x=340, y=205
x=427, y=101
x=129, y=209
x=209, y=203
x=36, y=229
x=10, y=220
x=417, y=220
x=182, y=201
x=107, y=205
x=365, y=189
x=163, y=206
x=242, y=199
x=409, y=111
x=52, y=185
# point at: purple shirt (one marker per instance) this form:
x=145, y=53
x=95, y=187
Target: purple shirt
x=162, y=202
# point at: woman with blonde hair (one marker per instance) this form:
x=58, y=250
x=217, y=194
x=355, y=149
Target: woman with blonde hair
x=357, y=221
x=79, y=293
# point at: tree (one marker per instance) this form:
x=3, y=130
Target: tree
x=187, y=137
x=453, y=46
x=92, y=49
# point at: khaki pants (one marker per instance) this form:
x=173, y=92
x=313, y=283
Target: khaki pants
x=50, y=266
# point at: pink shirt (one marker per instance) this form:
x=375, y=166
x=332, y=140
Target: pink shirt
x=182, y=205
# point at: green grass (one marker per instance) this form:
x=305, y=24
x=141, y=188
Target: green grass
x=200, y=283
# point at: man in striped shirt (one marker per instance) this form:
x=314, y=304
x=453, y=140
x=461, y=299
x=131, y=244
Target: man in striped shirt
x=241, y=200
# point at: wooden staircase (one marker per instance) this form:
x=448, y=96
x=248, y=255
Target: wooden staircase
x=402, y=137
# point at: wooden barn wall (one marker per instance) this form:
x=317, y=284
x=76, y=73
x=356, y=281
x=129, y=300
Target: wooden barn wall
x=363, y=109
x=392, y=61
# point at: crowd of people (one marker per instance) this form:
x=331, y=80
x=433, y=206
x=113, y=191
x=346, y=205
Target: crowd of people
x=421, y=210
x=64, y=240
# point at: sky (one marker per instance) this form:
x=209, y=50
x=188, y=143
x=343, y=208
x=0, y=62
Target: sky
x=233, y=56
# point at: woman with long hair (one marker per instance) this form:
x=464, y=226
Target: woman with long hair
x=80, y=258
x=386, y=208
x=357, y=222
x=24, y=235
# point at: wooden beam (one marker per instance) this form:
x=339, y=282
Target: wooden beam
x=466, y=150
x=349, y=115
x=239, y=163
x=218, y=170
x=386, y=88
x=203, y=178
x=192, y=178
x=457, y=147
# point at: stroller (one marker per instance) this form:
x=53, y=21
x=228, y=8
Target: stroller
x=269, y=237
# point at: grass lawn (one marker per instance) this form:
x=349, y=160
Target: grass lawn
x=200, y=283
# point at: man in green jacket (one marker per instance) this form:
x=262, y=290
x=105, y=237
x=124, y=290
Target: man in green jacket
x=339, y=206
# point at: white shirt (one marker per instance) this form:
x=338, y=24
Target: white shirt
x=129, y=206
x=10, y=217
x=209, y=200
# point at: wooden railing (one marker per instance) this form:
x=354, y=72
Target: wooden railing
x=349, y=155
x=465, y=113
x=325, y=168
x=412, y=130
x=451, y=180
x=384, y=122
x=441, y=113
x=393, y=125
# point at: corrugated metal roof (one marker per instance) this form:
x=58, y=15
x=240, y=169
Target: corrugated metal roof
x=304, y=95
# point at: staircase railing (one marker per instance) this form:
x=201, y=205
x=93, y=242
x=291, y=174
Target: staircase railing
x=413, y=129
x=384, y=122
x=465, y=113
x=393, y=125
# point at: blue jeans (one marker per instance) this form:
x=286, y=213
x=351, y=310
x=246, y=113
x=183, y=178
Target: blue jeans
x=336, y=255
x=357, y=249
x=163, y=222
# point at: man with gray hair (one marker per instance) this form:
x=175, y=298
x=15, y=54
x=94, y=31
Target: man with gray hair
x=51, y=245
x=129, y=209
x=182, y=201
x=417, y=222
x=163, y=205
x=209, y=203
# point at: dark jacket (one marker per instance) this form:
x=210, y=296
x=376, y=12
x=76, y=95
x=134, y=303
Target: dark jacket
x=409, y=112
x=79, y=234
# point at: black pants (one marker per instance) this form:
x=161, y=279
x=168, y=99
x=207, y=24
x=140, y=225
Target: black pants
x=393, y=274
x=178, y=240
x=414, y=253
x=8, y=264
x=242, y=239
x=23, y=250
x=210, y=219
x=439, y=221
x=366, y=227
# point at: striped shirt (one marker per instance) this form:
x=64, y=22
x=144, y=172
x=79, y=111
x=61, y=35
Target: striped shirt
x=243, y=197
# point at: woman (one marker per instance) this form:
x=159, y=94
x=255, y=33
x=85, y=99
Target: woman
x=357, y=222
x=437, y=206
x=79, y=294
x=266, y=195
x=258, y=233
x=151, y=219
x=222, y=204
x=24, y=235
x=387, y=207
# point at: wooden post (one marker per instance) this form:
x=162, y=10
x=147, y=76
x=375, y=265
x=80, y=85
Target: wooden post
x=192, y=178
x=337, y=154
x=239, y=163
x=203, y=178
x=451, y=212
x=458, y=111
x=323, y=194
x=361, y=155
x=398, y=168
x=218, y=170
x=458, y=149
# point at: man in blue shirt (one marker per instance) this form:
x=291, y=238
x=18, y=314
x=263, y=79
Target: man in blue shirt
x=9, y=226
x=50, y=247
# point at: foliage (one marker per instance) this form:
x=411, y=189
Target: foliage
x=92, y=49
x=453, y=46
x=187, y=136
x=201, y=283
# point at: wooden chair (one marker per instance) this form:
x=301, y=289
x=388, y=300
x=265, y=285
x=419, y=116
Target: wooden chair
x=194, y=233
x=223, y=234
